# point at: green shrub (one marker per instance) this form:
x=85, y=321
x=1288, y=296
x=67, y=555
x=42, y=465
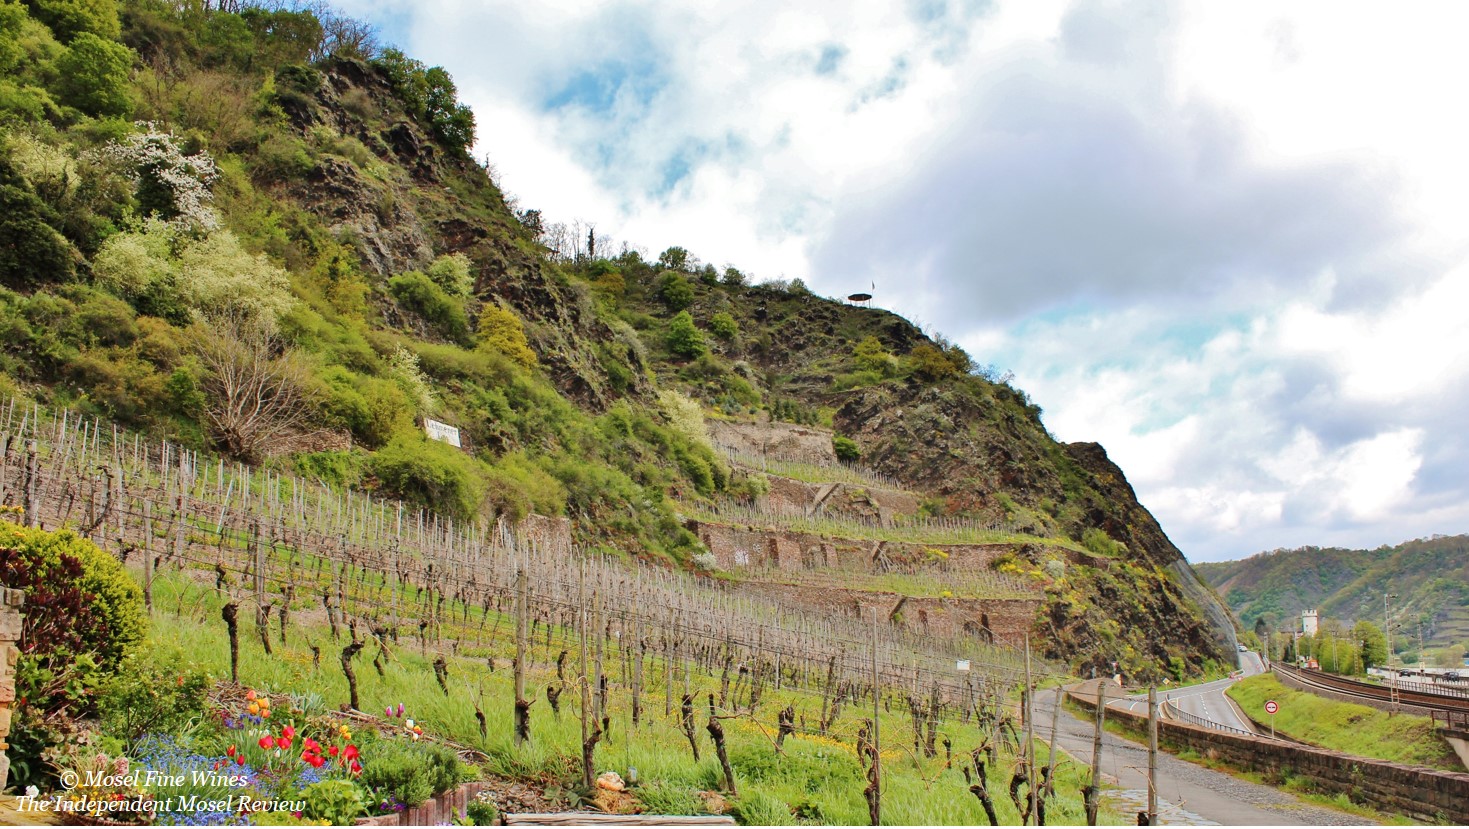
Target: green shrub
x=517, y=487
x=430, y=474
x=94, y=76
x=452, y=273
x=684, y=338
x=675, y=291
x=845, y=448
x=371, y=408
x=482, y=813
x=32, y=252
x=146, y=696
x=420, y=294
x=83, y=613
x=334, y=468
x=79, y=599
x=724, y=326
x=500, y=330
x=70, y=18
x=929, y=363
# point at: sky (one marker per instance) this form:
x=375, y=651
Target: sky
x=1224, y=240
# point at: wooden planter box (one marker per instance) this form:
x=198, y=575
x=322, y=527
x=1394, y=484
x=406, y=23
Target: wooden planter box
x=443, y=808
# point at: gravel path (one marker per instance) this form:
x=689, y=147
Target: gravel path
x=1188, y=794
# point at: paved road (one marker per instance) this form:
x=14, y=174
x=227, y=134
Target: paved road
x=1188, y=795
x=1206, y=700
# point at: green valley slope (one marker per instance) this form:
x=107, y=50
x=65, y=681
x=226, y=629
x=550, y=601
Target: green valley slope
x=1430, y=578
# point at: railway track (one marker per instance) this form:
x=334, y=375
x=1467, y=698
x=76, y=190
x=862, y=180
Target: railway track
x=1415, y=697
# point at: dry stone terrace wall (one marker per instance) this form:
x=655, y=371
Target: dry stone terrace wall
x=786, y=440
x=789, y=495
x=737, y=546
x=997, y=621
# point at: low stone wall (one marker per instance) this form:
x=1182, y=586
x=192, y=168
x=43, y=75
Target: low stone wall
x=1418, y=792
x=436, y=811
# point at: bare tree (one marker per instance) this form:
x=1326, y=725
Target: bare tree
x=254, y=385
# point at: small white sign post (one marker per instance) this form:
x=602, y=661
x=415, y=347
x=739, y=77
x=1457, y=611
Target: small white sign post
x=961, y=665
x=1270, y=708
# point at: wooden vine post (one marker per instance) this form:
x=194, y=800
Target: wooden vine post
x=1152, y=756
x=590, y=732
x=875, y=799
x=1094, y=789
x=522, y=704
x=231, y=613
x=1030, y=734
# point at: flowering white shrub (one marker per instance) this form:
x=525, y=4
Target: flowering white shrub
x=412, y=379
x=170, y=184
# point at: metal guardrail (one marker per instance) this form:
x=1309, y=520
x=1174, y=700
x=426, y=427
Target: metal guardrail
x=1453, y=720
x=1173, y=712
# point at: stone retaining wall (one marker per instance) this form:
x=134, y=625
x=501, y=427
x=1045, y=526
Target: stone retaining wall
x=1415, y=791
x=790, y=495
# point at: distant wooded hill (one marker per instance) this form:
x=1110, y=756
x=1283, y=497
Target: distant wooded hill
x=1430, y=577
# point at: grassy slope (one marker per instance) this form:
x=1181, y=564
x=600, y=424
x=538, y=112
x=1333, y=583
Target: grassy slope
x=1342, y=726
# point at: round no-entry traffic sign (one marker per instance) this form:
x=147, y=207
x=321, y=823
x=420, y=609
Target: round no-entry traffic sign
x=1271, y=707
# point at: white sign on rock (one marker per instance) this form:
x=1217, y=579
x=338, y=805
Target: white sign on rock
x=962, y=665
x=442, y=431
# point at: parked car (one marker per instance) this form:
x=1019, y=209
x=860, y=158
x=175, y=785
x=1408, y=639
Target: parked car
x=1452, y=676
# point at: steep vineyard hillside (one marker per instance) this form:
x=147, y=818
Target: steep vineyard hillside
x=270, y=191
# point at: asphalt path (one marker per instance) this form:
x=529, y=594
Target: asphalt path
x=1188, y=795
x=1206, y=700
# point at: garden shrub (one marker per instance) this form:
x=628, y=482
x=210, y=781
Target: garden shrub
x=32, y=251
x=398, y=774
x=338, y=802
x=82, y=615
x=147, y=695
x=69, y=18
x=756, y=808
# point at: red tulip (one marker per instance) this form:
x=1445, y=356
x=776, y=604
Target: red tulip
x=288, y=732
x=350, y=753
x=230, y=751
x=356, y=767
x=282, y=743
x=240, y=759
x=267, y=742
x=333, y=751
